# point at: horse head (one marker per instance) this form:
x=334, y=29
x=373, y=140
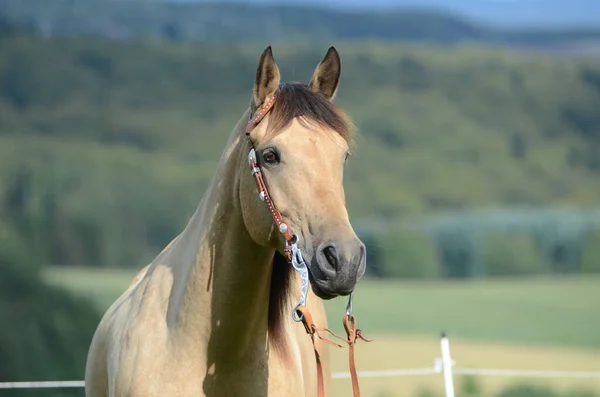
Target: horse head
x=300, y=141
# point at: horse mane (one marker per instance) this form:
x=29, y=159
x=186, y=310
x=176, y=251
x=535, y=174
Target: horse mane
x=296, y=100
x=281, y=278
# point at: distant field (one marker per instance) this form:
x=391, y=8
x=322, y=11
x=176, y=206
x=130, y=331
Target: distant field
x=542, y=311
x=396, y=352
x=551, y=311
x=541, y=323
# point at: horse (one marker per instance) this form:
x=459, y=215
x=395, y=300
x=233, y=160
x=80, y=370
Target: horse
x=209, y=316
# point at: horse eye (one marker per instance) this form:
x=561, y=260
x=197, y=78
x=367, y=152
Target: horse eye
x=346, y=156
x=270, y=156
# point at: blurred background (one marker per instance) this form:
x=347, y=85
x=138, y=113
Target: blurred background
x=475, y=182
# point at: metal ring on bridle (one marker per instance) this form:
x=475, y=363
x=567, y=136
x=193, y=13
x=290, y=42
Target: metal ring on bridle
x=349, y=306
x=295, y=316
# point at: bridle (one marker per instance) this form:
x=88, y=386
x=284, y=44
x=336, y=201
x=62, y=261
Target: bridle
x=300, y=313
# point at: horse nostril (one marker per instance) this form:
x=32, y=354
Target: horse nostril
x=331, y=256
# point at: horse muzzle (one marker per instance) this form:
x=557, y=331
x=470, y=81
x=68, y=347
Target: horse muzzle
x=336, y=267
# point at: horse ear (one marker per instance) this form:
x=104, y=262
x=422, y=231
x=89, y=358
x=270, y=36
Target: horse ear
x=326, y=76
x=267, y=78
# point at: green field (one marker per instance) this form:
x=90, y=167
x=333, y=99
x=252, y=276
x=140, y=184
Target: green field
x=533, y=311
x=551, y=311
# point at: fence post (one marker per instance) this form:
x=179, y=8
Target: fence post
x=447, y=365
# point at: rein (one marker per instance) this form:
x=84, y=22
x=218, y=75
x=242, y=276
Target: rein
x=300, y=313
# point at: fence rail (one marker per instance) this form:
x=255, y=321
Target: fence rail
x=443, y=365
x=42, y=384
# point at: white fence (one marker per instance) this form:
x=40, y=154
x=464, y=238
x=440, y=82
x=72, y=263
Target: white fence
x=443, y=365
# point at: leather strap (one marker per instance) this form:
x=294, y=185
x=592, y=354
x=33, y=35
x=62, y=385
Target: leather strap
x=311, y=329
x=353, y=333
x=258, y=116
x=283, y=227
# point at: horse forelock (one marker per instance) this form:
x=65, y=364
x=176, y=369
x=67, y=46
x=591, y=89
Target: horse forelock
x=297, y=101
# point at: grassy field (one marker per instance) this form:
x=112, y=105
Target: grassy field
x=547, y=311
x=537, y=323
x=544, y=310
x=396, y=352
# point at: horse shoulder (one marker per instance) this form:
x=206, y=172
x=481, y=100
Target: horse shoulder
x=130, y=338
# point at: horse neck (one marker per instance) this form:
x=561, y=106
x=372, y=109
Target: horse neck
x=220, y=294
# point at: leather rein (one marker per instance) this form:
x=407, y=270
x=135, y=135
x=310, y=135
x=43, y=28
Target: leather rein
x=294, y=257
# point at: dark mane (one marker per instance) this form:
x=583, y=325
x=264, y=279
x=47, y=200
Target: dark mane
x=297, y=100
x=278, y=307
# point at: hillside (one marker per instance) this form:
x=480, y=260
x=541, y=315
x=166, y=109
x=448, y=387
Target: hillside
x=286, y=22
x=101, y=141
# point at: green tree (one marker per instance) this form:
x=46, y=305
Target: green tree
x=45, y=332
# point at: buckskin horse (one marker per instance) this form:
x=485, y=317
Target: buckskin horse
x=210, y=315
